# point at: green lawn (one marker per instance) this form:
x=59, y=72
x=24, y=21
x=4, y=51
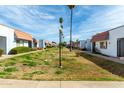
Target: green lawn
x=44, y=66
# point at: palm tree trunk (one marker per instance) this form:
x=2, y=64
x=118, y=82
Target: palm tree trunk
x=71, y=30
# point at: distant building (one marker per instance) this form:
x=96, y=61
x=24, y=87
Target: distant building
x=35, y=43
x=82, y=44
x=42, y=43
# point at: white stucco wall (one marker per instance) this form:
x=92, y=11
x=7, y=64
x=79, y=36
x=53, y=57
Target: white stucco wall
x=114, y=35
x=112, y=42
x=9, y=34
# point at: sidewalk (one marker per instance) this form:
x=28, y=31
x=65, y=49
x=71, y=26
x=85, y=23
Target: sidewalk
x=9, y=83
x=11, y=56
x=114, y=59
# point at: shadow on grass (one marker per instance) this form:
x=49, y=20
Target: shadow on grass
x=113, y=67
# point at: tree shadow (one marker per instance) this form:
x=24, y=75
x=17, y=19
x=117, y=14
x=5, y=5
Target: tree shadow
x=113, y=67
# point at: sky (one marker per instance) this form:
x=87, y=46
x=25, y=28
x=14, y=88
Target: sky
x=42, y=21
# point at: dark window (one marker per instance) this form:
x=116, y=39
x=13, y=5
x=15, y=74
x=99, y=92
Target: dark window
x=103, y=45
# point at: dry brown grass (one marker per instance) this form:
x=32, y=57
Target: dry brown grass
x=44, y=66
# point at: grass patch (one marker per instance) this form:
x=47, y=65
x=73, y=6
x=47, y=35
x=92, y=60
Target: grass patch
x=11, y=63
x=39, y=72
x=30, y=75
x=29, y=63
x=4, y=74
x=13, y=59
x=10, y=69
x=59, y=71
x=44, y=65
x=27, y=57
x=113, y=67
x=46, y=62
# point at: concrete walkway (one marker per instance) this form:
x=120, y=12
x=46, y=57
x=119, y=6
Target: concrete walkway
x=9, y=83
x=114, y=59
x=11, y=56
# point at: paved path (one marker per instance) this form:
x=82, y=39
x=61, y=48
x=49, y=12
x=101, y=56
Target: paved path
x=9, y=83
x=114, y=59
x=11, y=56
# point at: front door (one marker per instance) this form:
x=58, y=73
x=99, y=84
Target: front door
x=120, y=47
x=93, y=47
x=3, y=43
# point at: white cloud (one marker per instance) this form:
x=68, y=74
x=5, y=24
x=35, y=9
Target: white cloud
x=102, y=21
x=30, y=19
x=83, y=8
x=43, y=24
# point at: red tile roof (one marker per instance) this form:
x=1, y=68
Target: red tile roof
x=23, y=35
x=101, y=36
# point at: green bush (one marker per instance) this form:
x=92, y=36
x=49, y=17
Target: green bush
x=1, y=52
x=18, y=50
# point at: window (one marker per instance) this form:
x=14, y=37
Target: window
x=20, y=43
x=17, y=43
x=103, y=45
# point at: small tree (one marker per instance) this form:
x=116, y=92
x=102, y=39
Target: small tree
x=60, y=40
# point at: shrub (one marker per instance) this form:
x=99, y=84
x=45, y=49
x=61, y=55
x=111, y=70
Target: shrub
x=18, y=50
x=1, y=52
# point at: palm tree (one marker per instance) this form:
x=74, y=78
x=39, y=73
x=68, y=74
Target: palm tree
x=71, y=8
x=60, y=40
